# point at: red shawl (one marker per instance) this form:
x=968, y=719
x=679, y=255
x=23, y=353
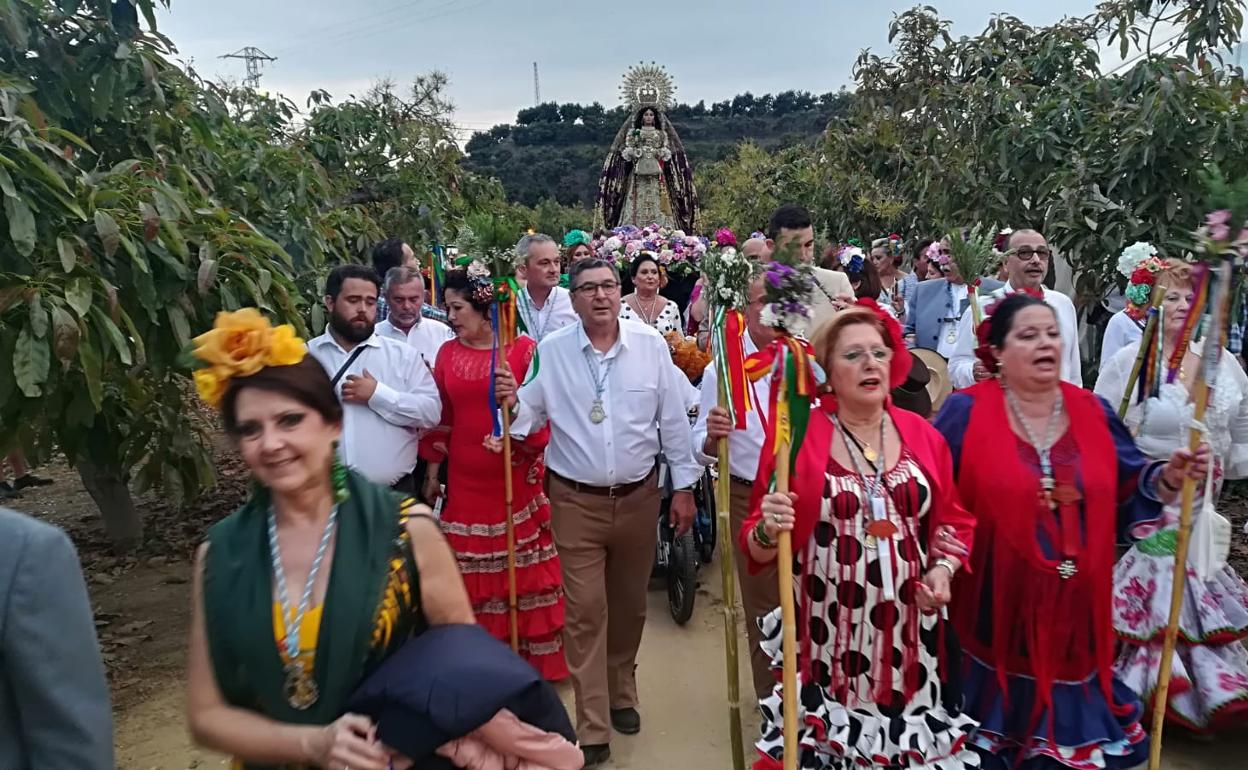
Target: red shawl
x=1042, y=626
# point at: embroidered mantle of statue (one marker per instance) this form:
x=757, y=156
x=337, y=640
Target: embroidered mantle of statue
x=647, y=178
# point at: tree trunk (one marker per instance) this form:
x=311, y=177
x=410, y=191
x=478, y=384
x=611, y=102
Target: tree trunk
x=108, y=488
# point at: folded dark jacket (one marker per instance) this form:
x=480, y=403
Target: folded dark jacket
x=446, y=683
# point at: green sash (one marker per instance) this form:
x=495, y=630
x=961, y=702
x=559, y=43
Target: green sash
x=238, y=604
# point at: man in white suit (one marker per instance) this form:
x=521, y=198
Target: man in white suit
x=792, y=228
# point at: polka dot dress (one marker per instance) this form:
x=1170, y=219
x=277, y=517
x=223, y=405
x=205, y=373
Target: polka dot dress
x=852, y=710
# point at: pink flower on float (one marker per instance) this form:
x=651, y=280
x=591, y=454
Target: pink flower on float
x=632, y=247
x=725, y=237
x=1219, y=232
x=1219, y=217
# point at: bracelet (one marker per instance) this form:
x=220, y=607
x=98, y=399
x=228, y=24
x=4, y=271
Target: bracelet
x=1165, y=483
x=760, y=537
x=947, y=563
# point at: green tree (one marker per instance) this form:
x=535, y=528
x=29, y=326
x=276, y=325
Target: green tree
x=1019, y=125
x=140, y=201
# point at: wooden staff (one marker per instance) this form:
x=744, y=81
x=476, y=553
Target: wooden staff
x=1179, y=577
x=1146, y=344
x=506, y=334
x=727, y=541
x=784, y=569
x=1200, y=394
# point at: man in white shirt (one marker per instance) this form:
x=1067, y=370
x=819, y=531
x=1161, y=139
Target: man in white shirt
x=759, y=593
x=1026, y=262
x=608, y=388
x=387, y=394
x=404, y=291
x=791, y=228
x=543, y=305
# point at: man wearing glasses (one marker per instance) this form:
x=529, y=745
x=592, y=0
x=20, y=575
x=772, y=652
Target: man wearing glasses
x=609, y=389
x=1027, y=263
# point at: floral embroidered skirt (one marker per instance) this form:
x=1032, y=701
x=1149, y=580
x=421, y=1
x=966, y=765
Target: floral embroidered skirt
x=1209, y=679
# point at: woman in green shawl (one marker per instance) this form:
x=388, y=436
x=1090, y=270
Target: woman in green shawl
x=304, y=590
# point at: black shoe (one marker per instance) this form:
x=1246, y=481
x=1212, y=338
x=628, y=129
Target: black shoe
x=31, y=480
x=7, y=492
x=596, y=753
x=626, y=721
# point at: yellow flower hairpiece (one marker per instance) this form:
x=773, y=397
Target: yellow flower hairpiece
x=239, y=345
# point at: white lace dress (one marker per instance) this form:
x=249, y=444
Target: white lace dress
x=1209, y=687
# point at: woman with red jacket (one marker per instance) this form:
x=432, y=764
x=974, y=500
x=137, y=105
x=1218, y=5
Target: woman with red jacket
x=872, y=484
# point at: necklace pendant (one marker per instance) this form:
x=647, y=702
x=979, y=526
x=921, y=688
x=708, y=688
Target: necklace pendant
x=597, y=413
x=870, y=454
x=1067, y=569
x=301, y=690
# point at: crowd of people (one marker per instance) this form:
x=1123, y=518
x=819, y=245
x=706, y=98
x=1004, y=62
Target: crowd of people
x=960, y=599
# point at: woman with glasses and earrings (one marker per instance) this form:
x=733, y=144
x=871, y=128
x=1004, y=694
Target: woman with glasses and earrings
x=871, y=484
x=321, y=575
x=1034, y=610
x=645, y=304
x=1209, y=688
x=473, y=517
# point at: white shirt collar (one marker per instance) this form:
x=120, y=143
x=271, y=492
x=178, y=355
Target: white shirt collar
x=327, y=338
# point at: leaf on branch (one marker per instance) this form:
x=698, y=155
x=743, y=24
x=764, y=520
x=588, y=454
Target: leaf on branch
x=21, y=225
x=65, y=335
x=78, y=295
x=207, y=275
x=31, y=360
x=114, y=335
x=110, y=234
x=151, y=221
x=89, y=357
x=68, y=256
x=38, y=316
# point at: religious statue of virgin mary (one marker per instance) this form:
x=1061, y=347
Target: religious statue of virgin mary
x=647, y=178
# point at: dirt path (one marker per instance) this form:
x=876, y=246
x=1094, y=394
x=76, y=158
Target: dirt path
x=684, y=716
x=141, y=613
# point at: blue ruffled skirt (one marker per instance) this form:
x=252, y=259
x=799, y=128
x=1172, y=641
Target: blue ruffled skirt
x=1084, y=733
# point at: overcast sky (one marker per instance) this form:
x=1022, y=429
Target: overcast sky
x=714, y=49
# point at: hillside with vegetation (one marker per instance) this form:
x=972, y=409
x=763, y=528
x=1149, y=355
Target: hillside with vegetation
x=557, y=150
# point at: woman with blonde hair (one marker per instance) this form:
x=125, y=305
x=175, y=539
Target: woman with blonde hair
x=1209, y=684
x=871, y=483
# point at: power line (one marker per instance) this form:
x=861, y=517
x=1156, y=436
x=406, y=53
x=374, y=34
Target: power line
x=537, y=87
x=254, y=58
x=358, y=22
x=372, y=29
x=1148, y=52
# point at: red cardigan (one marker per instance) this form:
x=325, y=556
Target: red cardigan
x=925, y=442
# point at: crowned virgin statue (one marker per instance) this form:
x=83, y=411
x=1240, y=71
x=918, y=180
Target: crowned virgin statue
x=647, y=178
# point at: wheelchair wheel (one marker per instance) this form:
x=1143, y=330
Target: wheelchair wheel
x=682, y=578
x=708, y=520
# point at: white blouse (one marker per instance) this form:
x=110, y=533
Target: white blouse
x=668, y=319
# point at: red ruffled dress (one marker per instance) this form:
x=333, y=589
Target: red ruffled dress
x=473, y=518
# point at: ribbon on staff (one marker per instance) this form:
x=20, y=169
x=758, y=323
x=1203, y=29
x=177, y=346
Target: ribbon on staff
x=728, y=349
x=795, y=380
x=1149, y=382
x=437, y=276
x=507, y=324
x=1201, y=277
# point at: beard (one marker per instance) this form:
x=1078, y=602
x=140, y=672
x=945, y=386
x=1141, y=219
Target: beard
x=349, y=330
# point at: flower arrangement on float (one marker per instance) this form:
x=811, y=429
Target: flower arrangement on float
x=675, y=251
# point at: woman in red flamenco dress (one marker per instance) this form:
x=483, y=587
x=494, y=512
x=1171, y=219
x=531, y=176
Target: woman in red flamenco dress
x=473, y=518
